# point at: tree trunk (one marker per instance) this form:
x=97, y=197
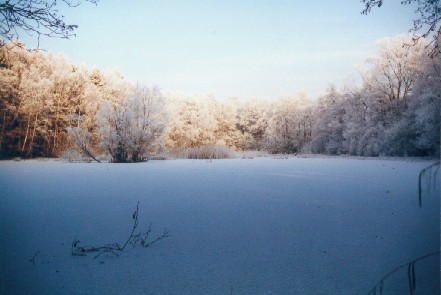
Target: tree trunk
x=2, y=132
x=26, y=136
x=33, y=135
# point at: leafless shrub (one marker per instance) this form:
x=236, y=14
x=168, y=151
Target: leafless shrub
x=280, y=157
x=158, y=158
x=253, y=154
x=139, y=238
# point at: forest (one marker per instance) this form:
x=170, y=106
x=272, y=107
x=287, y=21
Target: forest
x=50, y=106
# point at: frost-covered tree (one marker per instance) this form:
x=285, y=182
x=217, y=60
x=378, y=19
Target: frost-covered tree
x=131, y=130
x=8, y=92
x=391, y=75
x=68, y=89
x=226, y=132
x=252, y=121
x=429, y=81
x=427, y=124
x=399, y=71
x=82, y=140
x=39, y=94
x=289, y=125
x=327, y=133
x=394, y=112
x=355, y=119
x=34, y=90
x=376, y=116
x=193, y=121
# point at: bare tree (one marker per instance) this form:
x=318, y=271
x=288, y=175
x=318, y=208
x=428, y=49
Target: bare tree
x=426, y=24
x=39, y=17
x=393, y=73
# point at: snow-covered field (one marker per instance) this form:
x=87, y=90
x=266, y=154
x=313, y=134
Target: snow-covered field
x=238, y=226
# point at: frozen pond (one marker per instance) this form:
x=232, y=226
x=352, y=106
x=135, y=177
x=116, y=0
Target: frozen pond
x=238, y=226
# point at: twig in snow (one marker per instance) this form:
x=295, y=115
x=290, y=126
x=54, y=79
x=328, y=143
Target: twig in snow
x=134, y=239
x=33, y=257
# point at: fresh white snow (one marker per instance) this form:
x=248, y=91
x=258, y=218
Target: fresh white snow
x=238, y=226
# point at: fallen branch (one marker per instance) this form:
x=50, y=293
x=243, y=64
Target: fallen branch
x=115, y=248
x=33, y=258
x=423, y=174
x=410, y=275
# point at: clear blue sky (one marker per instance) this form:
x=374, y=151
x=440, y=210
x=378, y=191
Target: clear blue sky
x=230, y=48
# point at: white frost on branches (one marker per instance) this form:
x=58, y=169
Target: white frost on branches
x=131, y=130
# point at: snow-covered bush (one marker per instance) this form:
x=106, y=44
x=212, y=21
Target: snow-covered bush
x=207, y=152
x=131, y=130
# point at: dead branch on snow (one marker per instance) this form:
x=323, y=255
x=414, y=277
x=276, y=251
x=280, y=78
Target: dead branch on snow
x=134, y=239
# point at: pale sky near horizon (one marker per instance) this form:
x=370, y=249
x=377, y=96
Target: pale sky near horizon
x=229, y=48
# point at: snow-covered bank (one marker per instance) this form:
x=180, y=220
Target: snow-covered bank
x=238, y=226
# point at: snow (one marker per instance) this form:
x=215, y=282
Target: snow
x=238, y=226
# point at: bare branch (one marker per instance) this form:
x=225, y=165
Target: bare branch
x=410, y=271
x=115, y=248
x=425, y=25
x=33, y=257
x=422, y=175
x=81, y=139
x=370, y=4
x=35, y=17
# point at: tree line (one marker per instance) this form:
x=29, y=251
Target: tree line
x=49, y=105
